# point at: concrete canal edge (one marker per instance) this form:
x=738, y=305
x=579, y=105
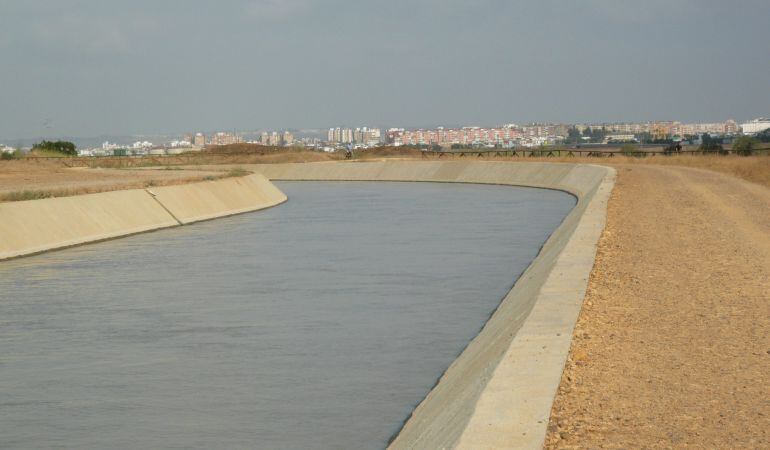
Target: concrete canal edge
x=36, y=226
x=498, y=393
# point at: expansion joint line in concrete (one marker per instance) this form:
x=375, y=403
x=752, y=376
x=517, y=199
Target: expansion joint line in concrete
x=155, y=197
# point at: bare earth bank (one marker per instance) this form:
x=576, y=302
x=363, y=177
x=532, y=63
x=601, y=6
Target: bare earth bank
x=672, y=347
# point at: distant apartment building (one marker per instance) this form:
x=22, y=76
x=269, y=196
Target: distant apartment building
x=337, y=135
x=663, y=129
x=223, y=138
x=180, y=143
x=620, y=138
x=544, y=130
x=536, y=134
x=504, y=136
x=695, y=129
x=199, y=140
x=755, y=126
x=367, y=136
x=362, y=135
x=287, y=139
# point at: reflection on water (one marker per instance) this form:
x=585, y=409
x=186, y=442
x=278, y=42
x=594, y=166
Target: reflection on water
x=320, y=323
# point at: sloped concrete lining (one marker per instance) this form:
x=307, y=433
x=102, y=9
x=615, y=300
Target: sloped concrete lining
x=202, y=201
x=36, y=226
x=498, y=393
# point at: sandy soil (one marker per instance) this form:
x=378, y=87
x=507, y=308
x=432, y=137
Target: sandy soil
x=672, y=347
x=16, y=176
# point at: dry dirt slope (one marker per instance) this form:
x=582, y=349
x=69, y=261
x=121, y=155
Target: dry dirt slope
x=672, y=348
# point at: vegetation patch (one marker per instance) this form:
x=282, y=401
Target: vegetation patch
x=54, y=148
x=236, y=172
x=20, y=196
x=745, y=146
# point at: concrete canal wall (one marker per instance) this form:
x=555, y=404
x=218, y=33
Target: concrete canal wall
x=36, y=226
x=498, y=393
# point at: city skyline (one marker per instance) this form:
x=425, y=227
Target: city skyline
x=323, y=131
x=502, y=136
x=87, y=68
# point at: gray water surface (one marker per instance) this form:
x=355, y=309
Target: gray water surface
x=320, y=323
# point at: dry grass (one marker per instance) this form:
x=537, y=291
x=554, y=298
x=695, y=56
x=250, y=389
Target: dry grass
x=388, y=152
x=751, y=168
x=19, y=196
x=31, y=178
x=36, y=194
x=236, y=172
x=755, y=169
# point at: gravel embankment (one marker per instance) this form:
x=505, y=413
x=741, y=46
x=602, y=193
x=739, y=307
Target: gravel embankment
x=672, y=347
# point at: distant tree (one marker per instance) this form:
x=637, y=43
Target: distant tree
x=597, y=134
x=744, y=145
x=16, y=154
x=63, y=147
x=573, y=136
x=763, y=136
x=673, y=147
x=711, y=145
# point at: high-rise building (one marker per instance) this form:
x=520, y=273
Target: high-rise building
x=275, y=139
x=199, y=140
x=347, y=136
x=288, y=138
x=222, y=138
x=755, y=126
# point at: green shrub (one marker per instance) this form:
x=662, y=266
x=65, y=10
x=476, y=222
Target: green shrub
x=19, y=196
x=672, y=148
x=236, y=172
x=16, y=154
x=744, y=146
x=63, y=147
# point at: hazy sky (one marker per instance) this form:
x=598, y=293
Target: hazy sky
x=91, y=67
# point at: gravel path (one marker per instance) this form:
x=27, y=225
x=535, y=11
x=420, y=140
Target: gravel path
x=672, y=347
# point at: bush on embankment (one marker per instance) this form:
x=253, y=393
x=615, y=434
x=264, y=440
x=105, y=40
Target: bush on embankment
x=54, y=148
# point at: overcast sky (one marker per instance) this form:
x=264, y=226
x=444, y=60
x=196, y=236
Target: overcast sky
x=92, y=67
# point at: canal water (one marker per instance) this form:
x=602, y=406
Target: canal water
x=320, y=323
